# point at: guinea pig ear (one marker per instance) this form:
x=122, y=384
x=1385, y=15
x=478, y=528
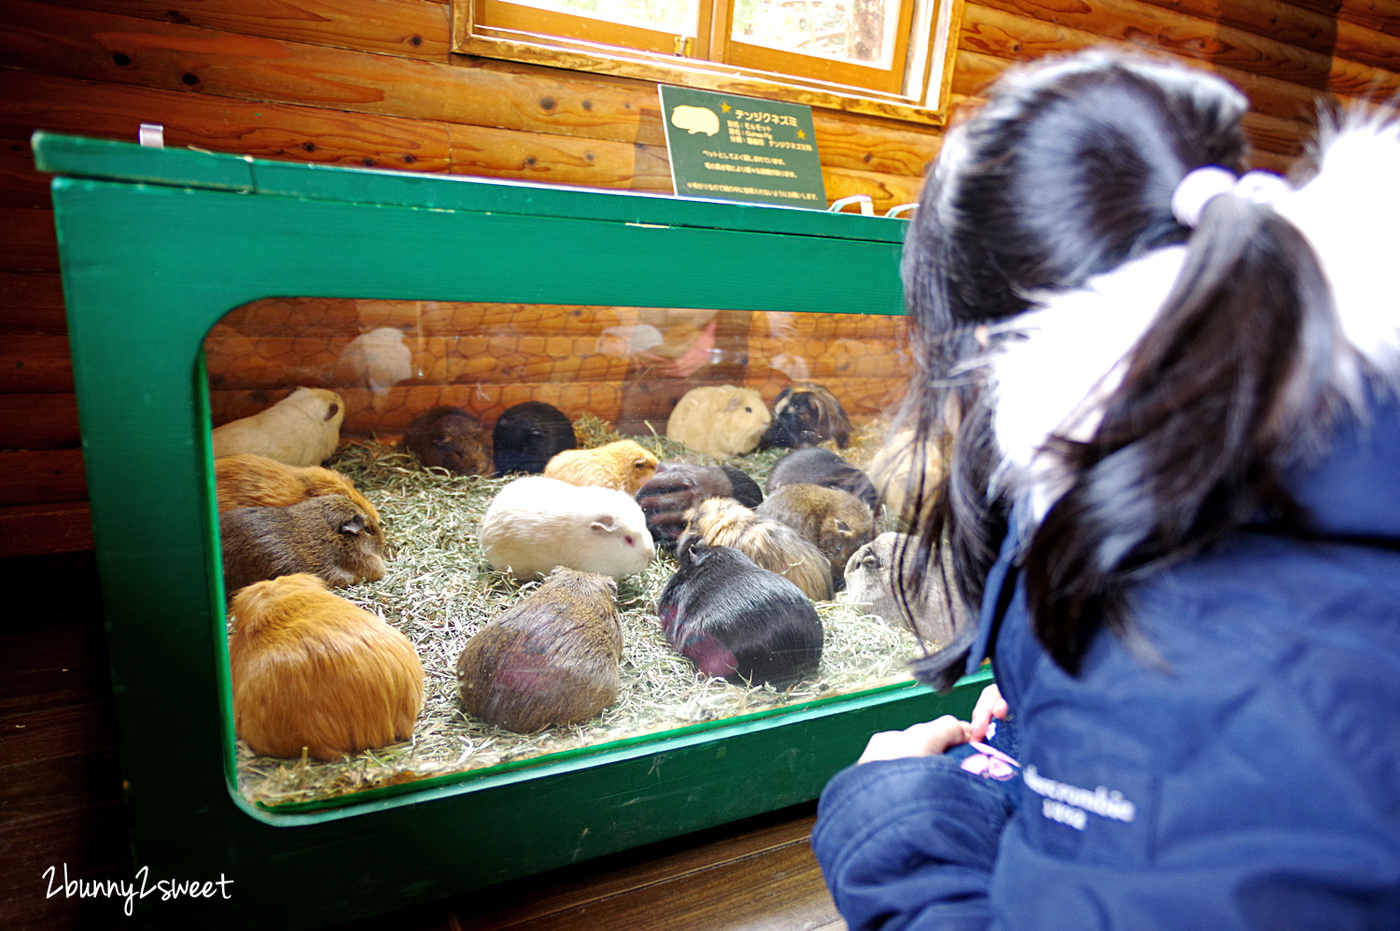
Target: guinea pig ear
x=843, y=528
x=331, y=410
x=733, y=403
x=354, y=526
x=606, y=523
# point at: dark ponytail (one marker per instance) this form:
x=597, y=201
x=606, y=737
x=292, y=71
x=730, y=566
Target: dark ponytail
x=1067, y=173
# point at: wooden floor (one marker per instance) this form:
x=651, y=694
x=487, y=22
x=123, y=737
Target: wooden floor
x=61, y=806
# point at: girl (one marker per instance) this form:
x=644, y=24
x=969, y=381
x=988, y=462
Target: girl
x=1168, y=399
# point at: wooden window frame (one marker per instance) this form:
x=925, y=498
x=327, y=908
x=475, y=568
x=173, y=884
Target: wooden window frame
x=922, y=96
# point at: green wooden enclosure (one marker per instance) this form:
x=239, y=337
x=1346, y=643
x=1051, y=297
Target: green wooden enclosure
x=156, y=246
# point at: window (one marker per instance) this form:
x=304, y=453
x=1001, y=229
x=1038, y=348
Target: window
x=862, y=55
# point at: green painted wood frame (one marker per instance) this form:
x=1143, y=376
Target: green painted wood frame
x=156, y=246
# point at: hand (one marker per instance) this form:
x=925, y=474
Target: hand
x=989, y=705
x=928, y=738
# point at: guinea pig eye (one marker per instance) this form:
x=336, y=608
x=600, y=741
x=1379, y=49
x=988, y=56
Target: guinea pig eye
x=748, y=410
x=629, y=541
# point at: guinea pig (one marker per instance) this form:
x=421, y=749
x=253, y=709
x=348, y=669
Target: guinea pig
x=536, y=523
x=246, y=480
x=527, y=435
x=448, y=437
x=551, y=660
x=772, y=545
x=327, y=536
x=896, y=467
x=302, y=429
x=720, y=421
x=817, y=466
x=312, y=671
x=804, y=415
x=679, y=486
x=872, y=584
x=737, y=620
x=625, y=465
x=836, y=521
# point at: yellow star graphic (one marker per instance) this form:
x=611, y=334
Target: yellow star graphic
x=725, y=107
x=802, y=134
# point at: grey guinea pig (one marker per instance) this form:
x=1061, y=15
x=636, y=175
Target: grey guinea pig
x=737, y=620
x=551, y=660
x=772, y=545
x=448, y=437
x=817, y=466
x=871, y=584
x=536, y=523
x=326, y=536
x=528, y=435
x=720, y=421
x=302, y=429
x=837, y=521
x=805, y=414
x=679, y=486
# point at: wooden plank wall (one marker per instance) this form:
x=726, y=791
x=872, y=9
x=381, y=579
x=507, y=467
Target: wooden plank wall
x=371, y=82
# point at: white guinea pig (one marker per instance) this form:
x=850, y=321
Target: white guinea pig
x=536, y=523
x=719, y=420
x=302, y=429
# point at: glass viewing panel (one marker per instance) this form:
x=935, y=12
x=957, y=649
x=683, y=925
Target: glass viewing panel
x=615, y=373
x=848, y=30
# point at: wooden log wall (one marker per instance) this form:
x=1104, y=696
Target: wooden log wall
x=372, y=83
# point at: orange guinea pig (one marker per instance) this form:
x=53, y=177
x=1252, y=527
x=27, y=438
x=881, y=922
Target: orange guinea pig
x=247, y=480
x=312, y=671
x=625, y=465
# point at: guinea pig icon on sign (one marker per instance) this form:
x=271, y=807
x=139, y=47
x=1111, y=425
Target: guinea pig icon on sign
x=695, y=120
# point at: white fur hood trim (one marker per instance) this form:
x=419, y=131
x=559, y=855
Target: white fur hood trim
x=1055, y=365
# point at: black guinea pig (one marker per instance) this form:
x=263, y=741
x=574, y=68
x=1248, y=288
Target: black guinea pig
x=738, y=621
x=679, y=486
x=528, y=435
x=805, y=415
x=817, y=466
x=448, y=437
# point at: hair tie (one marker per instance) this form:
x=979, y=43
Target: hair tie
x=1199, y=187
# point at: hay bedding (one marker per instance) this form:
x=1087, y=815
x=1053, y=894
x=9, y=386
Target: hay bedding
x=439, y=591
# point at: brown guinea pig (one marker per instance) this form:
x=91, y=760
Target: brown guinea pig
x=448, y=437
x=817, y=466
x=327, y=536
x=678, y=486
x=805, y=415
x=302, y=429
x=735, y=619
x=311, y=670
x=247, y=481
x=624, y=465
x=551, y=660
x=772, y=545
x=837, y=521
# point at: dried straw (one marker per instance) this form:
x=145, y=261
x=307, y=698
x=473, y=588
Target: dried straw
x=439, y=591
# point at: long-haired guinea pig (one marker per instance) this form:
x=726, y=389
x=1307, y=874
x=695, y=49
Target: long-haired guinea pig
x=679, y=486
x=550, y=660
x=625, y=465
x=536, y=523
x=249, y=481
x=327, y=536
x=817, y=466
x=836, y=521
x=737, y=620
x=772, y=545
x=871, y=583
x=805, y=415
x=311, y=670
x=448, y=437
x=527, y=435
x=899, y=465
x=302, y=429
x=720, y=421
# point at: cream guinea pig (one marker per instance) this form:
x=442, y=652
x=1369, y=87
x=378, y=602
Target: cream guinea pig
x=536, y=523
x=720, y=421
x=302, y=429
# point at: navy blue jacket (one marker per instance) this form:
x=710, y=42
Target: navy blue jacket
x=1249, y=779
